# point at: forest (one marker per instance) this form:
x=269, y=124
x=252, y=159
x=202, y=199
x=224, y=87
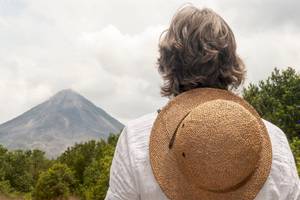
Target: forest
x=82, y=171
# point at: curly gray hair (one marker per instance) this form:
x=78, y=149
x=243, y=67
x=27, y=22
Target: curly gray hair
x=198, y=50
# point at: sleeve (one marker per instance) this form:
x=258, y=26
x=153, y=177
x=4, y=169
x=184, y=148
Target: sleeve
x=283, y=181
x=294, y=192
x=289, y=182
x=122, y=184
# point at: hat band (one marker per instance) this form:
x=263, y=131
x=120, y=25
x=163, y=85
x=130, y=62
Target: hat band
x=175, y=132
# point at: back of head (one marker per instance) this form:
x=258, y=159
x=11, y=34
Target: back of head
x=198, y=50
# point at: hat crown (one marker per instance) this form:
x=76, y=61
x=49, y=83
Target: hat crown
x=218, y=145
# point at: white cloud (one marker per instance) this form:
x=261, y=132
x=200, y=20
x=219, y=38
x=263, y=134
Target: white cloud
x=130, y=61
x=106, y=50
x=264, y=51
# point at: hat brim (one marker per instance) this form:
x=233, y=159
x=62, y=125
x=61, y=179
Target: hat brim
x=163, y=161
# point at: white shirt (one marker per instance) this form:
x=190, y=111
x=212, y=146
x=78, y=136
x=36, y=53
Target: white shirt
x=131, y=176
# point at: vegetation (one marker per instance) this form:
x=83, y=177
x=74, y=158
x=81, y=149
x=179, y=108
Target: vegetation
x=19, y=170
x=277, y=99
x=83, y=170
x=57, y=182
x=91, y=163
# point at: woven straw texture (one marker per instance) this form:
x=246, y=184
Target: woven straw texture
x=209, y=144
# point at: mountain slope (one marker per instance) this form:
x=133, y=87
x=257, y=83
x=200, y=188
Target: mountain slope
x=59, y=122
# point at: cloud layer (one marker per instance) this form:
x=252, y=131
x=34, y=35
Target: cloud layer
x=107, y=50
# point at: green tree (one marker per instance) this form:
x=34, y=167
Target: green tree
x=20, y=169
x=37, y=163
x=295, y=146
x=79, y=157
x=277, y=99
x=91, y=163
x=82, y=170
x=5, y=187
x=97, y=177
x=3, y=152
x=15, y=168
x=57, y=182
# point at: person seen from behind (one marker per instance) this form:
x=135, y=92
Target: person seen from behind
x=206, y=143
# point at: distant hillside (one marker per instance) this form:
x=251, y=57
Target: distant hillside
x=61, y=121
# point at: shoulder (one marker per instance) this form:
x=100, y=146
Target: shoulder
x=138, y=130
x=280, y=145
x=281, y=150
x=274, y=131
x=283, y=179
x=138, y=134
x=141, y=123
x=130, y=155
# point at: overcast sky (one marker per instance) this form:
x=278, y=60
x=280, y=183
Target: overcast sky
x=107, y=50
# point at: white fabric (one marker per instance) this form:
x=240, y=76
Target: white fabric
x=131, y=177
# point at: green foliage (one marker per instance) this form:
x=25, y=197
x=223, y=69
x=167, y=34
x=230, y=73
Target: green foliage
x=277, y=99
x=81, y=155
x=113, y=139
x=15, y=165
x=2, y=150
x=100, y=188
x=5, y=187
x=78, y=157
x=37, y=163
x=91, y=163
x=57, y=182
x=92, y=173
x=82, y=170
x=20, y=169
x=295, y=146
x=96, y=176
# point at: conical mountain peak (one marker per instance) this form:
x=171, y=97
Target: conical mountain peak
x=66, y=94
x=68, y=98
x=62, y=120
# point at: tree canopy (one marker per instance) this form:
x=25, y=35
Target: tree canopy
x=82, y=170
x=277, y=99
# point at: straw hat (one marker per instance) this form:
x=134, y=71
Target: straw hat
x=209, y=144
